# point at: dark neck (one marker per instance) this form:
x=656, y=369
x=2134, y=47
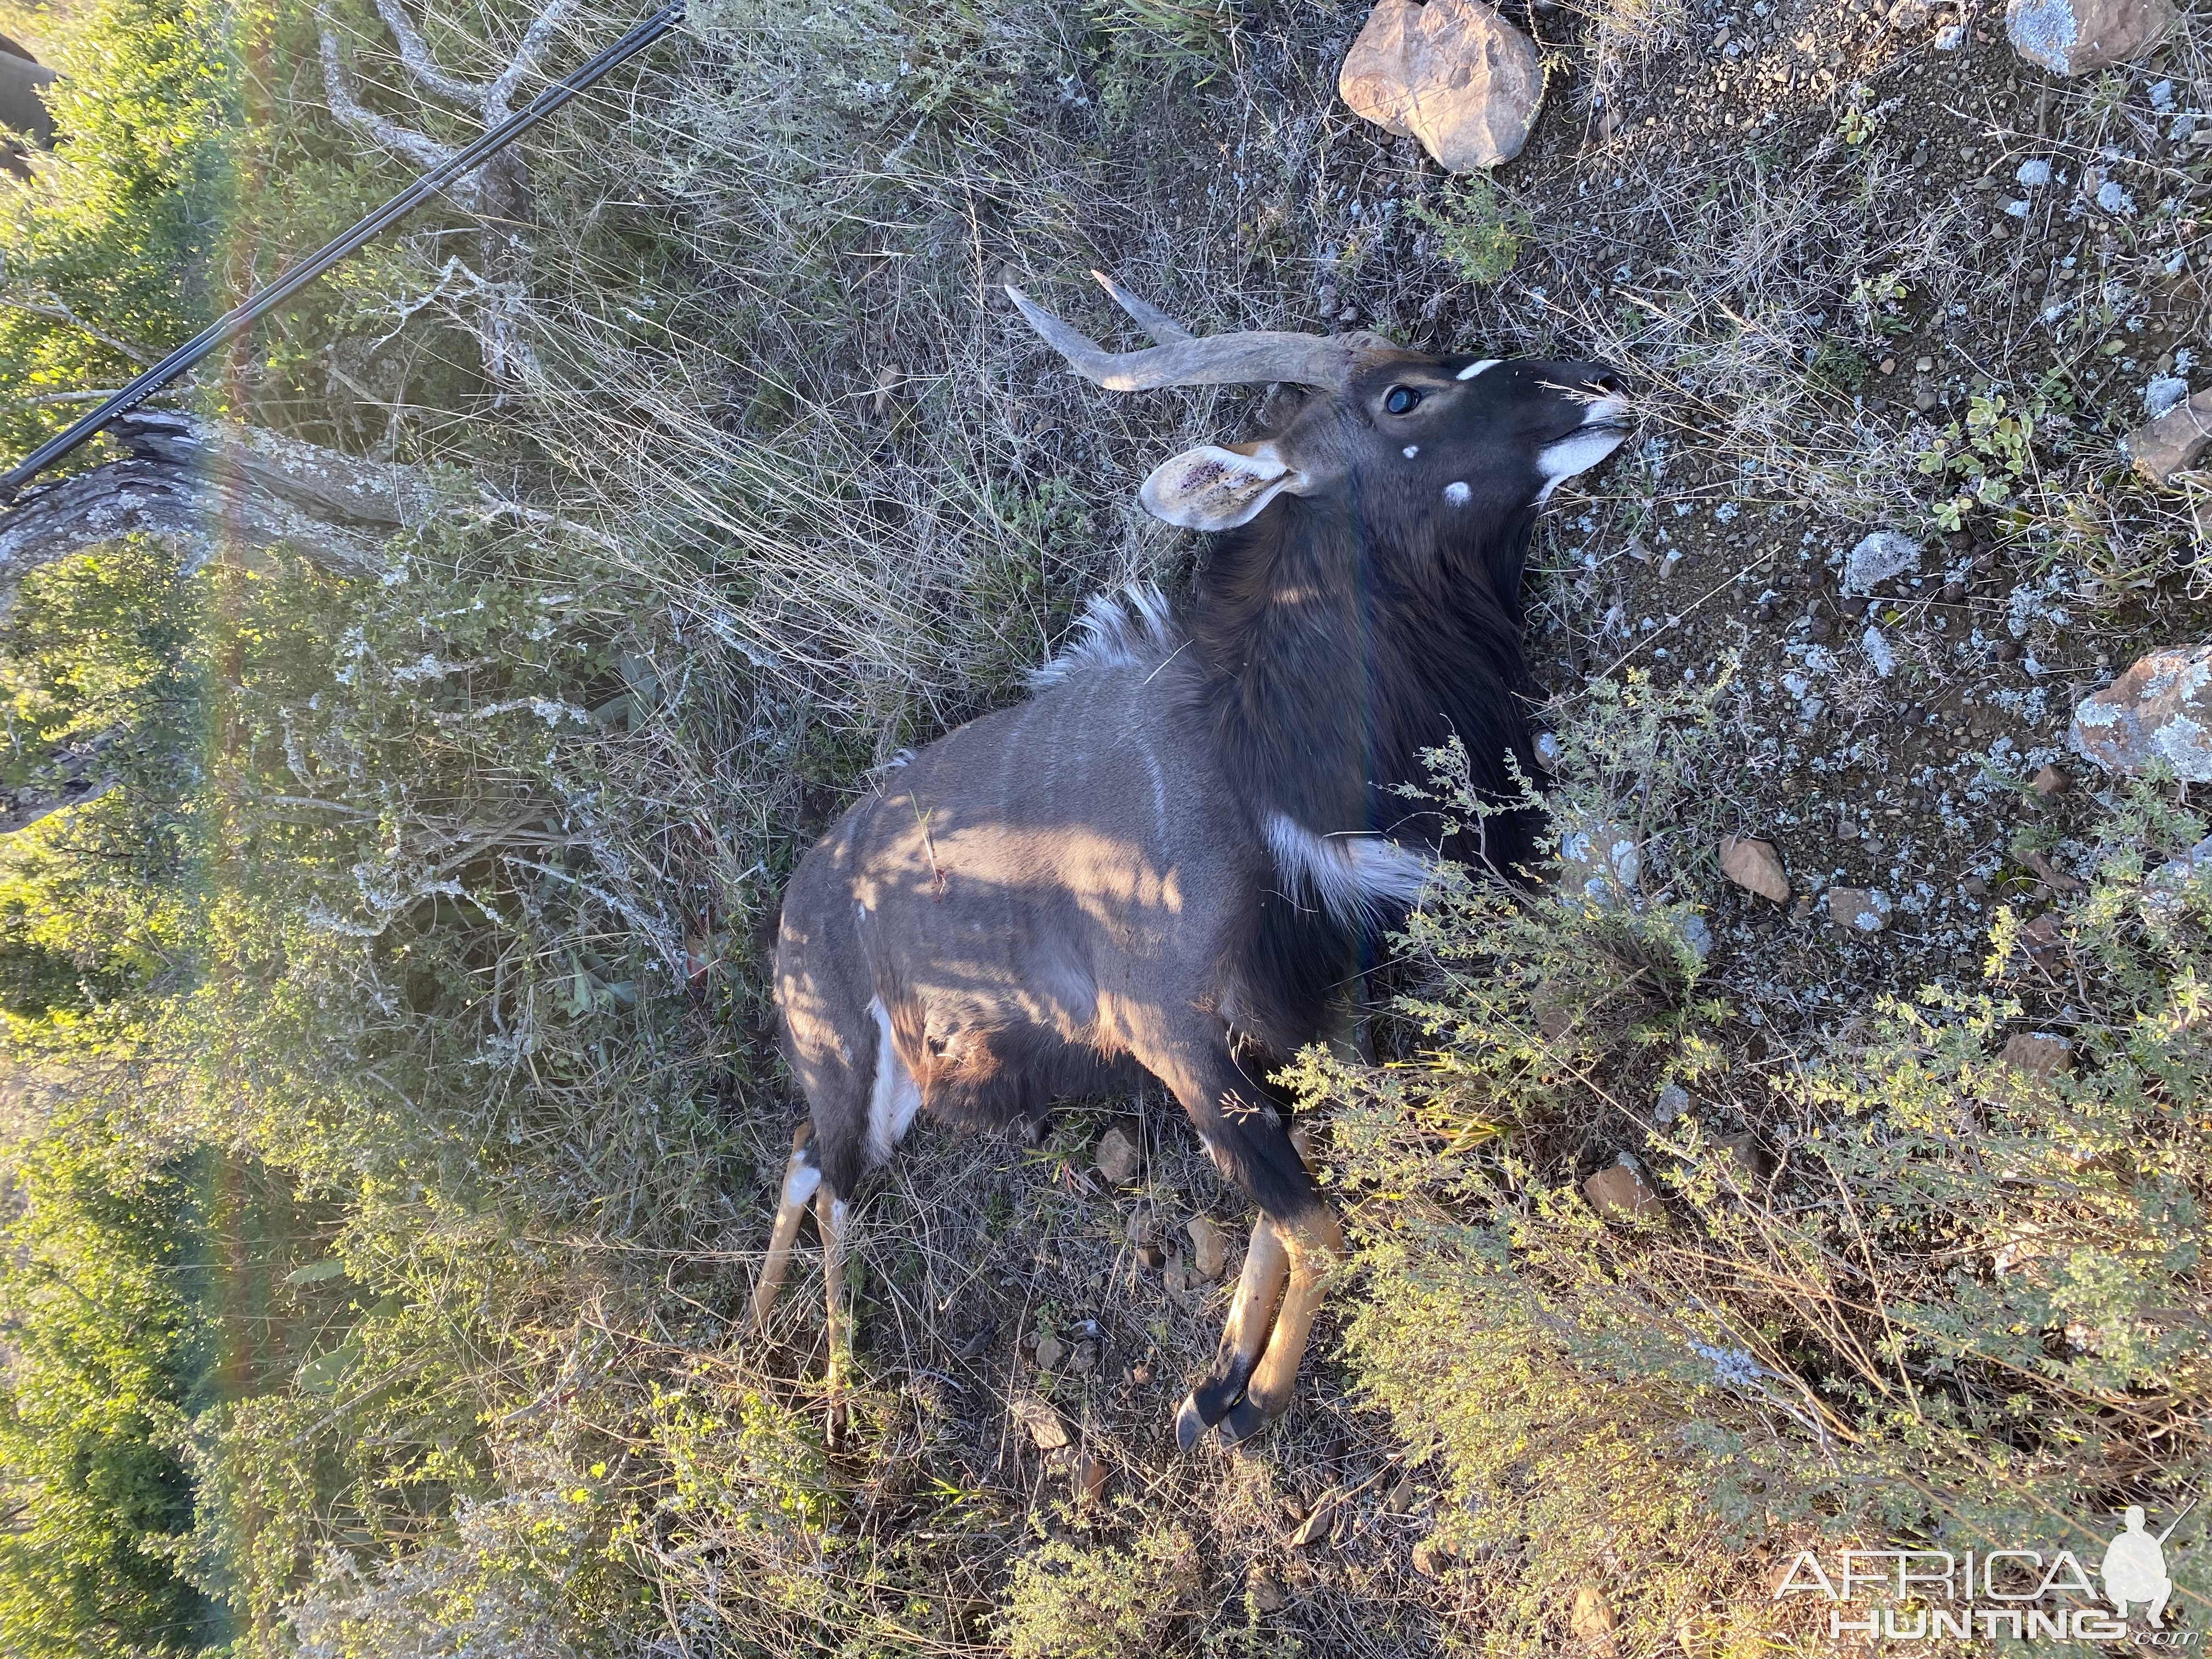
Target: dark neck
x=1334, y=658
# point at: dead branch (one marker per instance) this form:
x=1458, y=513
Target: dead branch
x=210, y=483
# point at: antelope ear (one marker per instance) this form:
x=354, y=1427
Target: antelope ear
x=1216, y=487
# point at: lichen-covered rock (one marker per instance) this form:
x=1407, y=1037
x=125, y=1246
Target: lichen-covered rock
x=1877, y=557
x=2076, y=37
x=2159, y=710
x=2162, y=448
x=1452, y=73
x=1601, y=863
x=1862, y=910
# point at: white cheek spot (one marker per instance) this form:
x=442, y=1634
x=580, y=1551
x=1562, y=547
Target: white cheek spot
x=1410, y=451
x=1474, y=369
x=1457, y=493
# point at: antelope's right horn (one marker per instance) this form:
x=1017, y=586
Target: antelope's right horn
x=1250, y=357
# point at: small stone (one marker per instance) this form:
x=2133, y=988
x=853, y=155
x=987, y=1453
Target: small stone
x=1152, y=1257
x=1432, y=1557
x=1088, y=1475
x=1853, y=605
x=1209, y=1247
x=1755, y=866
x=1620, y=1190
x=1266, y=1590
x=1117, y=1157
x=1923, y=401
x=2050, y=782
x=1974, y=887
x=1048, y=1433
x=1953, y=591
x=1763, y=613
x=2075, y=37
x=2042, y=938
x=2038, y=1054
x=2010, y=651
x=1821, y=628
x=1878, y=557
x=1743, y=1151
x=1317, y=1526
x=1862, y=910
x=1923, y=365
x=1401, y=1497
x=2160, y=709
x=1049, y=1350
x=2163, y=447
x=1592, y=1619
x=1084, y=1360
x=1452, y=73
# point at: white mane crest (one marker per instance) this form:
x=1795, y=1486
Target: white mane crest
x=1116, y=630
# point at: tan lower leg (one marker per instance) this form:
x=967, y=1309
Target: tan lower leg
x=1267, y=1265
x=799, y=1180
x=829, y=1216
x=1313, y=1258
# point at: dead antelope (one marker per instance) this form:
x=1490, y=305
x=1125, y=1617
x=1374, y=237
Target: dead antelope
x=1177, y=852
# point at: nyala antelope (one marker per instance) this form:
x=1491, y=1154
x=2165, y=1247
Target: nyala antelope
x=1177, y=853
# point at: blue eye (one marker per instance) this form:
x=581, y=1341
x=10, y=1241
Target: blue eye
x=1400, y=399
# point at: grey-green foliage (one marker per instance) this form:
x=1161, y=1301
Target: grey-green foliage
x=1951, y=1302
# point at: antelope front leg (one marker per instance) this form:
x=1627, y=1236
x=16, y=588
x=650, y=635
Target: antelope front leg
x=1266, y=1266
x=1314, y=1250
x=800, y=1178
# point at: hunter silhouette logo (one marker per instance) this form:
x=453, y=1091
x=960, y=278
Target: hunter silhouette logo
x=2134, y=1569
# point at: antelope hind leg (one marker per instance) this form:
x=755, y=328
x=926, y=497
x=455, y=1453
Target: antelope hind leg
x=829, y=1215
x=1267, y=1265
x=1314, y=1251
x=800, y=1178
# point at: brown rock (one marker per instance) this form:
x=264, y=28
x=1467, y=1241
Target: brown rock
x=1755, y=866
x=1620, y=1190
x=1317, y=1525
x=1209, y=1247
x=1046, y=1431
x=1118, y=1157
x=1088, y=1476
x=2037, y=1055
x=1084, y=1360
x=2049, y=782
x=1266, y=1590
x=1593, y=1619
x=1748, y=1159
x=1862, y=910
x=1432, y=1557
x=1049, y=1350
x=2075, y=37
x=1151, y=1257
x=2173, y=441
x=2043, y=940
x=1452, y=73
x=2160, y=709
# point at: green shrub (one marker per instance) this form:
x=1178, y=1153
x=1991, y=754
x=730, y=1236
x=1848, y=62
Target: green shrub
x=1069, y=1600
x=1902, y=1291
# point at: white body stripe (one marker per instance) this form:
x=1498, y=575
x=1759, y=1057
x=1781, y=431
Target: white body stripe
x=1474, y=369
x=1356, y=878
x=895, y=1099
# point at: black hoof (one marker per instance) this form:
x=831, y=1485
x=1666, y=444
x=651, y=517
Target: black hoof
x=1241, y=1422
x=1190, y=1424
